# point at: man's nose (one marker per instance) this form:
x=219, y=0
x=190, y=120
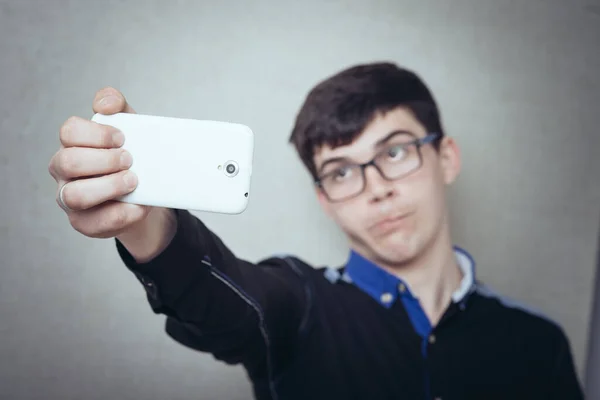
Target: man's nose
x=377, y=186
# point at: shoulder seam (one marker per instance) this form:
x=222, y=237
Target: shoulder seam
x=510, y=303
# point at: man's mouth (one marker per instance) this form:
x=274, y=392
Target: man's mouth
x=390, y=223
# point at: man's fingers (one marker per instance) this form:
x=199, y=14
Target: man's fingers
x=110, y=101
x=80, y=132
x=108, y=219
x=76, y=162
x=95, y=170
x=52, y=167
x=84, y=194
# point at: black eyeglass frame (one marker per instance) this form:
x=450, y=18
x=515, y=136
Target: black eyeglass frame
x=418, y=143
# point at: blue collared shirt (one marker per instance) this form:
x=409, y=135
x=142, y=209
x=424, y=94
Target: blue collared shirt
x=386, y=288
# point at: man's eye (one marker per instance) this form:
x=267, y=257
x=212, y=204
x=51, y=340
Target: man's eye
x=396, y=152
x=342, y=173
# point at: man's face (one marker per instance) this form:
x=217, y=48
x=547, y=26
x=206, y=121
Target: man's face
x=391, y=221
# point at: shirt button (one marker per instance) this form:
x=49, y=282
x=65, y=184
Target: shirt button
x=402, y=288
x=149, y=286
x=432, y=339
x=386, y=297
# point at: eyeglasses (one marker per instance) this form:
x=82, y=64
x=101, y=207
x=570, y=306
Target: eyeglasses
x=400, y=158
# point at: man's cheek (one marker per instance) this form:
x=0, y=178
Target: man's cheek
x=350, y=220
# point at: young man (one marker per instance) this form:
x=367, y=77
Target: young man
x=404, y=318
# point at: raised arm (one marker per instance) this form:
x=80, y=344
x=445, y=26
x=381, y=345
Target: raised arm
x=239, y=311
x=214, y=302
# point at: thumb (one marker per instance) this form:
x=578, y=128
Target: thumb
x=109, y=101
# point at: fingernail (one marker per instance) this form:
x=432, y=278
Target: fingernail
x=130, y=180
x=126, y=160
x=107, y=100
x=118, y=138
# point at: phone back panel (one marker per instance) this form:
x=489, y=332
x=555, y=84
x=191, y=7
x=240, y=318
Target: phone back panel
x=184, y=163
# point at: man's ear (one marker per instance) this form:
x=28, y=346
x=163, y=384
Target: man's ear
x=450, y=160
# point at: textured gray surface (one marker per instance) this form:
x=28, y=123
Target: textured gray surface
x=518, y=86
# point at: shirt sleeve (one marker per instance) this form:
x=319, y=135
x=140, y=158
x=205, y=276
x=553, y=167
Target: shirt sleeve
x=241, y=312
x=564, y=383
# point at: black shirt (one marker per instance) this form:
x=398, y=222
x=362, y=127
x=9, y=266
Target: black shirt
x=353, y=332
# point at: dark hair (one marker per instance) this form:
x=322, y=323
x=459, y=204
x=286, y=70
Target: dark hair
x=338, y=109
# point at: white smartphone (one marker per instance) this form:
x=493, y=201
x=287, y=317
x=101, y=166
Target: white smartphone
x=185, y=163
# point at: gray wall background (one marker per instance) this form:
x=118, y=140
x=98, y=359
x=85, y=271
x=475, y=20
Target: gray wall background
x=517, y=82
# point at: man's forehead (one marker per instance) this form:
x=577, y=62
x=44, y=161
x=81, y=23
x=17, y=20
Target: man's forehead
x=379, y=128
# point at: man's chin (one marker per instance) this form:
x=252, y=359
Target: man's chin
x=397, y=248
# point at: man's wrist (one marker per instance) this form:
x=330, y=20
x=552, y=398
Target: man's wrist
x=151, y=236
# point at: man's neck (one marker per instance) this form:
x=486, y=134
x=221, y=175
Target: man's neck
x=432, y=277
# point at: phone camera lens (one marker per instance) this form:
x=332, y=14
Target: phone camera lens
x=231, y=169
